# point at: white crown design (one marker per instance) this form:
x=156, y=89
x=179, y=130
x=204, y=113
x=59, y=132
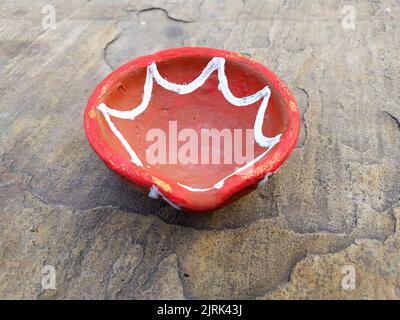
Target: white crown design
x=218, y=64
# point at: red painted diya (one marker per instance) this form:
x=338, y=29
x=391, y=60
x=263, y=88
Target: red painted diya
x=196, y=127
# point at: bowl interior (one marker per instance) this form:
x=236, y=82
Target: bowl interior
x=169, y=113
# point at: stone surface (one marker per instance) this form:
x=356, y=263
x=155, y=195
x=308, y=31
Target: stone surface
x=334, y=203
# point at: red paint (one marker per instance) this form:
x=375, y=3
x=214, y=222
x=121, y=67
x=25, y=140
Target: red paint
x=204, y=108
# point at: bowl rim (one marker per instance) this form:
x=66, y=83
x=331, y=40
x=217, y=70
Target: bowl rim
x=172, y=192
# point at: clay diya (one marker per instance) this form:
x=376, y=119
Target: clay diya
x=176, y=124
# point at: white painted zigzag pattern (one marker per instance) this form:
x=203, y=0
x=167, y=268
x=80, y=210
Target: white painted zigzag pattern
x=214, y=64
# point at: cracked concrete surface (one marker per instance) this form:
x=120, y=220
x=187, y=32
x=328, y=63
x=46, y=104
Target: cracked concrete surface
x=335, y=202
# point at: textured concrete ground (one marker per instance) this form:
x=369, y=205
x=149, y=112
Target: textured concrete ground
x=334, y=203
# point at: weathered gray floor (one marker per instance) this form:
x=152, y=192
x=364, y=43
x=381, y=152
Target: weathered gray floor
x=335, y=202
